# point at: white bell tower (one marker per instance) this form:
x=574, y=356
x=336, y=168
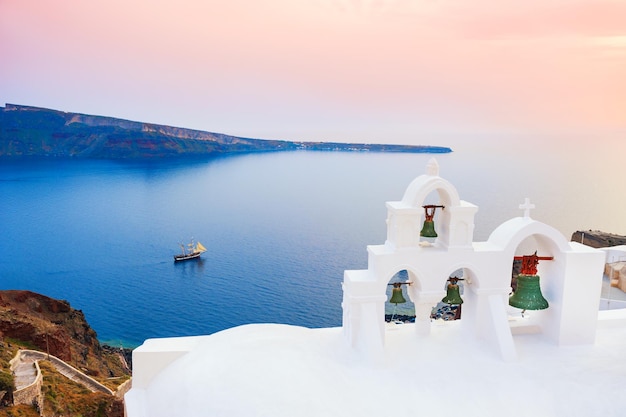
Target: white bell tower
x=571, y=281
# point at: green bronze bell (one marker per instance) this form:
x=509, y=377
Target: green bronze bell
x=428, y=230
x=528, y=295
x=396, y=294
x=453, y=296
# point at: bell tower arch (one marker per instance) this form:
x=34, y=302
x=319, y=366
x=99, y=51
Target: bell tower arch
x=573, y=279
x=454, y=222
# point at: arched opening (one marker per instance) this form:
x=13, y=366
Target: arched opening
x=398, y=307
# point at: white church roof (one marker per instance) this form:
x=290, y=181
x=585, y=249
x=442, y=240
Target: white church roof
x=277, y=370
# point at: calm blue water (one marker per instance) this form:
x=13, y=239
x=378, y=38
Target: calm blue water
x=280, y=229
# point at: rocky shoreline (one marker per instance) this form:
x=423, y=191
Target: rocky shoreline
x=124, y=353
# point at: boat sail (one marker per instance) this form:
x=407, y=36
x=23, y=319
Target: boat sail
x=191, y=251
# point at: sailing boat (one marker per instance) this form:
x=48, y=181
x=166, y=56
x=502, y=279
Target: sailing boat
x=192, y=251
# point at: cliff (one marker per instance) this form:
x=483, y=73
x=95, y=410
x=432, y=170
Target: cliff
x=34, y=131
x=54, y=327
x=34, y=321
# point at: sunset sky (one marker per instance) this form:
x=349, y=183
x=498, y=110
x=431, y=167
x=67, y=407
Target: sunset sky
x=398, y=71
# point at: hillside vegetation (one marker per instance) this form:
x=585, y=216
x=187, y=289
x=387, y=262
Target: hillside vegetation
x=38, y=132
x=33, y=321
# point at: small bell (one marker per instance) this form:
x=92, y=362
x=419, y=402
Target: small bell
x=528, y=295
x=428, y=229
x=453, y=296
x=396, y=294
x=397, y=297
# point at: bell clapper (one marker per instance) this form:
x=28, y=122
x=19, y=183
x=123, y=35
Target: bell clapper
x=393, y=315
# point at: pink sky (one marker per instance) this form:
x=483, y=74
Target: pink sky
x=403, y=71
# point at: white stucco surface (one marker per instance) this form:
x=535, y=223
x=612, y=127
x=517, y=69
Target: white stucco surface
x=277, y=370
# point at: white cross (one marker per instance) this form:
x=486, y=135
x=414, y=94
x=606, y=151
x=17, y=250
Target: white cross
x=526, y=207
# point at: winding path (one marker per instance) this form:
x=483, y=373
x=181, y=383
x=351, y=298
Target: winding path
x=25, y=372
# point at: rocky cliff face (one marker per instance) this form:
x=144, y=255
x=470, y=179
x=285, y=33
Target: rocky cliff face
x=34, y=321
x=51, y=326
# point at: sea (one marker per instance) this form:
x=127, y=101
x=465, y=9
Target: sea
x=280, y=228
